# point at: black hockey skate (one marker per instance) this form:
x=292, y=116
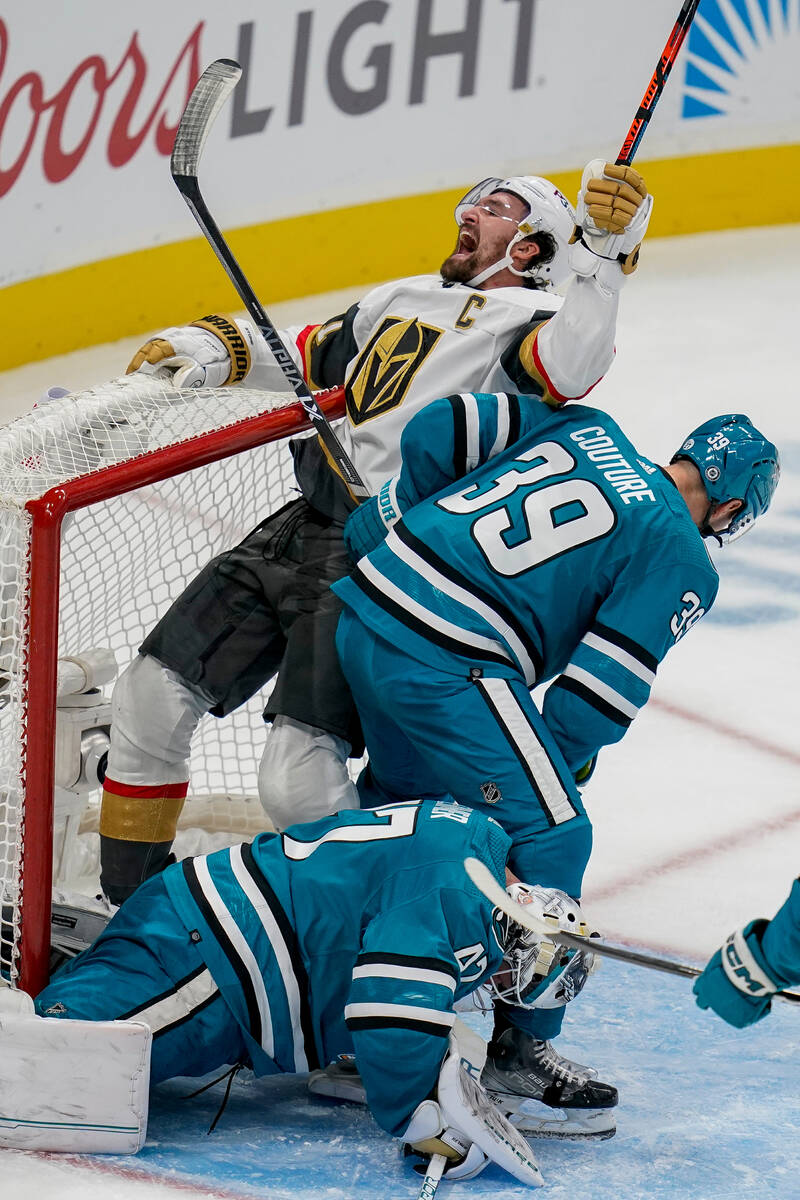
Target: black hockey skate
x=545, y=1095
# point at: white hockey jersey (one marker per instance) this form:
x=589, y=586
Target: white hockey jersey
x=413, y=340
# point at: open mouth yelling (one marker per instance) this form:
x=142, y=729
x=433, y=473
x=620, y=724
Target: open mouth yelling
x=467, y=243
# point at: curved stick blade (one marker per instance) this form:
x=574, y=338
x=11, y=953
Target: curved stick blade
x=209, y=95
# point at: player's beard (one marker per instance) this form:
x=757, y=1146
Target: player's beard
x=456, y=269
x=463, y=265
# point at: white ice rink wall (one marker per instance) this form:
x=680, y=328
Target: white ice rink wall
x=356, y=125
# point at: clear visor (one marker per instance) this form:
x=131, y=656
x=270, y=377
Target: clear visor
x=483, y=195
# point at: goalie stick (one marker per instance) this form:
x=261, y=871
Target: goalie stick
x=656, y=86
x=486, y=883
x=209, y=95
x=433, y=1176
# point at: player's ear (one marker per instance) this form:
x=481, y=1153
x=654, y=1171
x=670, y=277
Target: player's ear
x=524, y=252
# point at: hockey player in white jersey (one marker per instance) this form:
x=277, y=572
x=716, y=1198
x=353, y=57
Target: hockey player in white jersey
x=358, y=933
x=491, y=319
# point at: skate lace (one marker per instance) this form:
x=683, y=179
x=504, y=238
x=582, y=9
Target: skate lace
x=561, y=1069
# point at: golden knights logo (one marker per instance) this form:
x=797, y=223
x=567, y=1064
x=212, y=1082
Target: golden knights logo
x=387, y=365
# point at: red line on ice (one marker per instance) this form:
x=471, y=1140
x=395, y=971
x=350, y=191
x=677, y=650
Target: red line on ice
x=720, y=844
x=202, y=1190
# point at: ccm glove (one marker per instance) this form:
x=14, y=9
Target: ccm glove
x=613, y=213
x=211, y=352
x=737, y=983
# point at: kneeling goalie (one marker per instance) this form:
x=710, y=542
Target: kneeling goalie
x=356, y=934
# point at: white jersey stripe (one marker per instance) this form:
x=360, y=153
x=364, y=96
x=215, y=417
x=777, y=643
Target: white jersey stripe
x=554, y=797
x=180, y=1004
x=241, y=947
x=621, y=656
x=413, y=974
x=281, y=950
x=473, y=423
x=471, y=641
x=408, y=1012
x=593, y=684
x=503, y=425
x=468, y=599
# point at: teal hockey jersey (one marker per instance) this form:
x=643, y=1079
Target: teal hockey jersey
x=353, y=934
x=537, y=543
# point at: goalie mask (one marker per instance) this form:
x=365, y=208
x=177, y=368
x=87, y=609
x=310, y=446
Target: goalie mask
x=736, y=462
x=548, y=212
x=538, y=972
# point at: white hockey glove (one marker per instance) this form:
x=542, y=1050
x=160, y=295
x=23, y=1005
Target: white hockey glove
x=464, y=1125
x=211, y=352
x=613, y=213
x=80, y=1087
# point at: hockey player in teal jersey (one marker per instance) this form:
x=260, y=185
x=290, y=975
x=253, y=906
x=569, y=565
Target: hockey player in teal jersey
x=355, y=933
x=519, y=545
x=741, y=978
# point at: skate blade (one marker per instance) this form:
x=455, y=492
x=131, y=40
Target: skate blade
x=320, y=1083
x=535, y=1120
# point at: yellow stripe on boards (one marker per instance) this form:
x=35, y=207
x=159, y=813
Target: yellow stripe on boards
x=349, y=247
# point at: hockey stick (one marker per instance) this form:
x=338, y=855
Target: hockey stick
x=433, y=1175
x=209, y=95
x=485, y=882
x=656, y=85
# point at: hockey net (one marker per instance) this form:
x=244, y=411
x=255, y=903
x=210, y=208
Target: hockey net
x=111, y=500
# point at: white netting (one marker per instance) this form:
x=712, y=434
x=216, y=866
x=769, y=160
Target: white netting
x=124, y=559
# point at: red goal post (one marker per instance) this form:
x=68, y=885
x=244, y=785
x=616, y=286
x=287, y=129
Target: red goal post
x=111, y=500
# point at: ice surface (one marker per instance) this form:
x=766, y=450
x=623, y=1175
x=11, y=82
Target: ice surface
x=696, y=814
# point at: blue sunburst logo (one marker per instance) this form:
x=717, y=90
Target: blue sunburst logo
x=742, y=58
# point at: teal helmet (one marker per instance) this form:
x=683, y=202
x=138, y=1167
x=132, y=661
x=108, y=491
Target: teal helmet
x=736, y=462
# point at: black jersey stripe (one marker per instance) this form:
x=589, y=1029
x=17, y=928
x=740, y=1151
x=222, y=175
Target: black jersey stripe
x=446, y=569
x=227, y=947
x=586, y=694
x=626, y=643
x=514, y=419
x=459, y=435
x=293, y=948
x=430, y=1027
x=373, y=958
x=170, y=991
x=464, y=649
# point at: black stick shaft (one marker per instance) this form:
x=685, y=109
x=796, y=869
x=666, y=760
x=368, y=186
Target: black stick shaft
x=208, y=97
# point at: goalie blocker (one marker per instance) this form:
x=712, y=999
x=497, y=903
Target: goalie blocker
x=76, y=1086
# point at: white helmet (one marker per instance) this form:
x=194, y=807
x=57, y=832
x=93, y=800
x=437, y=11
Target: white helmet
x=538, y=972
x=548, y=211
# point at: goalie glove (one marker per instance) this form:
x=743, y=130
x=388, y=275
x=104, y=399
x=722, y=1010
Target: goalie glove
x=613, y=213
x=465, y=1126
x=211, y=352
x=736, y=982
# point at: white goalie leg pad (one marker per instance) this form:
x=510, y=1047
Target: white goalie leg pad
x=154, y=716
x=466, y=1106
x=303, y=774
x=471, y=1047
x=75, y=1086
